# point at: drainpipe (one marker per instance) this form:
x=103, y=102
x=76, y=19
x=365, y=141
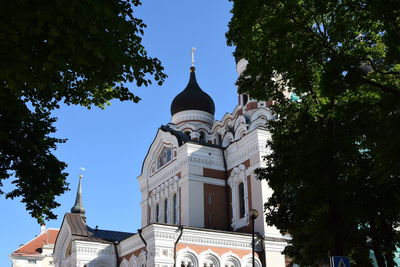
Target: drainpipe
x=180, y=227
x=228, y=210
x=263, y=257
x=144, y=242
x=116, y=250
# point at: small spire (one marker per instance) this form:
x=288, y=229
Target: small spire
x=78, y=207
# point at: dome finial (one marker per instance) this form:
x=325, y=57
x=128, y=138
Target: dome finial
x=78, y=207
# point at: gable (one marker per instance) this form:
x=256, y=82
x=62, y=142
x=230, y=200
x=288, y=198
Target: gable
x=162, y=151
x=35, y=246
x=63, y=241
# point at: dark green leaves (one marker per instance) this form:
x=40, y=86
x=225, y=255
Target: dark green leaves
x=78, y=52
x=334, y=167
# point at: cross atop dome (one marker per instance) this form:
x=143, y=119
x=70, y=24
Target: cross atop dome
x=193, y=50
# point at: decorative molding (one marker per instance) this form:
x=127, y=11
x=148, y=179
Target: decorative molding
x=209, y=258
x=192, y=115
x=187, y=258
x=228, y=139
x=240, y=131
x=102, y=249
x=275, y=246
x=230, y=259
x=133, y=261
x=190, y=159
x=234, y=158
x=124, y=263
x=207, y=180
x=238, y=176
x=205, y=240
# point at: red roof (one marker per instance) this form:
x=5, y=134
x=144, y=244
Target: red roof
x=34, y=247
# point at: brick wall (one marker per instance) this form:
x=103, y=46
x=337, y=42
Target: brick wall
x=215, y=207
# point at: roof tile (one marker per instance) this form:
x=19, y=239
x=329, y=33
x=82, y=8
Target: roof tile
x=35, y=246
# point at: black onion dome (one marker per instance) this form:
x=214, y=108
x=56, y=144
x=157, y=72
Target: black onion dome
x=192, y=98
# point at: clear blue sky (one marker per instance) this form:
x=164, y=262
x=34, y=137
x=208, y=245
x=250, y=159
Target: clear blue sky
x=111, y=143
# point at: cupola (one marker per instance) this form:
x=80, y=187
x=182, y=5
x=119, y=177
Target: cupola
x=192, y=102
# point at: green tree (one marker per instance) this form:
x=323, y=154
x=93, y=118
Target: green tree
x=72, y=52
x=334, y=167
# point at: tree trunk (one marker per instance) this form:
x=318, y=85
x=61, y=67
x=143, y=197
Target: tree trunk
x=380, y=260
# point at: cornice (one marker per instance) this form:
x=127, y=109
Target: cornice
x=192, y=115
x=187, y=158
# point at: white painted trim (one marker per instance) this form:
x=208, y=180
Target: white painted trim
x=207, y=180
x=238, y=176
x=230, y=259
x=187, y=256
x=124, y=263
x=192, y=115
x=209, y=258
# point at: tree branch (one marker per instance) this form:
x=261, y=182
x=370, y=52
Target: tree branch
x=382, y=72
x=381, y=86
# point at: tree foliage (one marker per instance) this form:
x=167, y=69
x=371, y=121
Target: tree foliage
x=334, y=167
x=73, y=52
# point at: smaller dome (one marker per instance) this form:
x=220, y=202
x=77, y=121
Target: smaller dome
x=192, y=98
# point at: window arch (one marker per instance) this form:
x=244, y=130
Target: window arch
x=166, y=210
x=238, y=183
x=175, y=209
x=141, y=260
x=133, y=261
x=209, y=259
x=228, y=138
x=164, y=157
x=157, y=212
x=187, y=258
x=241, y=200
x=230, y=260
x=124, y=263
x=187, y=133
x=202, y=138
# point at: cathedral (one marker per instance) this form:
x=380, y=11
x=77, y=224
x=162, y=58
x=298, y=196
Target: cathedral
x=200, y=195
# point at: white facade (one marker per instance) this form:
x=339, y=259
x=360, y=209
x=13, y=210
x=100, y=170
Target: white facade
x=198, y=186
x=38, y=252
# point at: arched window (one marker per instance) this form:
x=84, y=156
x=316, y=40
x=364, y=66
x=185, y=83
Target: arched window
x=202, y=137
x=241, y=200
x=187, y=134
x=238, y=182
x=166, y=210
x=164, y=157
x=187, y=259
x=209, y=260
x=157, y=212
x=175, y=209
